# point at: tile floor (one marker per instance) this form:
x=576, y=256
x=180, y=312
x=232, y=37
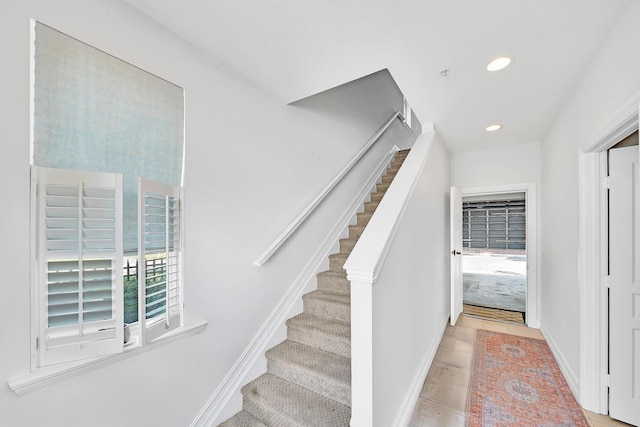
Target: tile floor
x=443, y=397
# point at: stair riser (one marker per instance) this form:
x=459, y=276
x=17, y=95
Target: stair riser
x=370, y=207
x=363, y=219
x=270, y=416
x=331, y=310
x=355, y=231
x=382, y=187
x=347, y=245
x=242, y=419
x=337, y=264
x=388, y=178
x=334, y=284
x=340, y=392
x=329, y=343
x=277, y=402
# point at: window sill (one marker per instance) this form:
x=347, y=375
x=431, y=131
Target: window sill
x=50, y=375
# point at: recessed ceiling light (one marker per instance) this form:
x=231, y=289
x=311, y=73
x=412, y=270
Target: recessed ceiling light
x=499, y=63
x=493, y=128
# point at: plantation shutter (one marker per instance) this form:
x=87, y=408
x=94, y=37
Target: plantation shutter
x=79, y=264
x=159, y=272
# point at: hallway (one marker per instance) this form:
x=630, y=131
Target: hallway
x=443, y=397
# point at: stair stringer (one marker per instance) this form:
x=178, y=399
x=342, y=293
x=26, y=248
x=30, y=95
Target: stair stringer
x=226, y=400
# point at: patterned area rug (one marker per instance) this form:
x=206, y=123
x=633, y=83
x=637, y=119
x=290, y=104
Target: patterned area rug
x=515, y=381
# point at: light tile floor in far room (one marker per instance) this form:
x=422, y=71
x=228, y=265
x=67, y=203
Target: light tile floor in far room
x=443, y=397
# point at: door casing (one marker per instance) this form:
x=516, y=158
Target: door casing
x=532, y=249
x=593, y=257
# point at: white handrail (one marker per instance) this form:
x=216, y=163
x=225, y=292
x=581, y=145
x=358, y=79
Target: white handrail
x=315, y=202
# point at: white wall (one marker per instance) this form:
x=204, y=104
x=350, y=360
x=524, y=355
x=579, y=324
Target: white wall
x=251, y=165
x=610, y=80
x=514, y=164
x=411, y=295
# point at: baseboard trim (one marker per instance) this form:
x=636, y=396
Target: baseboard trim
x=235, y=378
x=569, y=374
x=403, y=416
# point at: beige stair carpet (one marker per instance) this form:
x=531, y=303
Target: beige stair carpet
x=308, y=379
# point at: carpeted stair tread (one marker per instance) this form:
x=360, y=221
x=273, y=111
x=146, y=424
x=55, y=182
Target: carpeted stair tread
x=336, y=261
x=320, y=371
x=356, y=230
x=339, y=274
x=328, y=304
x=347, y=244
x=382, y=186
x=334, y=281
x=370, y=206
x=278, y=402
x=321, y=332
x=308, y=382
x=364, y=217
x=243, y=419
x=376, y=197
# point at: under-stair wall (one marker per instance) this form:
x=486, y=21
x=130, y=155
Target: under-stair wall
x=333, y=216
x=399, y=272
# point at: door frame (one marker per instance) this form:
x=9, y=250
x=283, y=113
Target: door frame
x=593, y=257
x=532, y=249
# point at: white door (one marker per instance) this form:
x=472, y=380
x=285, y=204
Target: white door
x=455, y=211
x=624, y=296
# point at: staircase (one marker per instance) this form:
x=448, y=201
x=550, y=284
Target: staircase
x=308, y=379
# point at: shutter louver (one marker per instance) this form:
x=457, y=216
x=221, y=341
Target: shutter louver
x=159, y=258
x=79, y=264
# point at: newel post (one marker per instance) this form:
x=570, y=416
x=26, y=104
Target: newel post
x=361, y=346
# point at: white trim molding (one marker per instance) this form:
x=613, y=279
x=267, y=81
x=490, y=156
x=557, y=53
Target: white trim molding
x=593, y=250
x=44, y=377
x=533, y=250
x=563, y=364
x=623, y=124
x=275, y=322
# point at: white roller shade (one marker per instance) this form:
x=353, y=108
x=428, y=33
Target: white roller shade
x=95, y=112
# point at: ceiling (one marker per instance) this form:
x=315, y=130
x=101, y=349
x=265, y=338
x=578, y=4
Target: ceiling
x=296, y=48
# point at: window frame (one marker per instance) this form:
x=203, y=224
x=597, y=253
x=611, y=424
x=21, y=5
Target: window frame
x=44, y=376
x=35, y=376
x=74, y=346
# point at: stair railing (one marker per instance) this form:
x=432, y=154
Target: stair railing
x=363, y=266
x=279, y=241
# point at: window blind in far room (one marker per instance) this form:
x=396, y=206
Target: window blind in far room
x=95, y=112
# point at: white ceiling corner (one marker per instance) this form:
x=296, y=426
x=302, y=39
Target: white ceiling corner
x=294, y=49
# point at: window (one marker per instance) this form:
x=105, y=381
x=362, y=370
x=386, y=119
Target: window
x=494, y=223
x=161, y=310
x=107, y=159
x=79, y=252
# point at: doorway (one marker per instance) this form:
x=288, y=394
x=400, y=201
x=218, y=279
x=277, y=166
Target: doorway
x=527, y=264
x=624, y=290
x=593, y=381
x=494, y=259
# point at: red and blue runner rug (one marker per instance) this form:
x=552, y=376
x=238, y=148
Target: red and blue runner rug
x=515, y=381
